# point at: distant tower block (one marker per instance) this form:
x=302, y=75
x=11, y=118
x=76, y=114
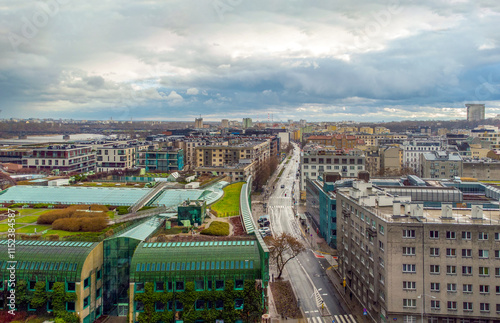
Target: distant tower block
x=198, y=123
x=475, y=112
x=225, y=123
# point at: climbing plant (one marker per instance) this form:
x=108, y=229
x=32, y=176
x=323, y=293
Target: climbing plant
x=251, y=312
x=39, y=298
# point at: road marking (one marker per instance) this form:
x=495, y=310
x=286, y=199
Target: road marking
x=324, y=294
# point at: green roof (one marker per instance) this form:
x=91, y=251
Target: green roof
x=54, y=260
x=165, y=260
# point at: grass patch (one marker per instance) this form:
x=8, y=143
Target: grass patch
x=144, y=208
x=174, y=230
x=281, y=172
x=27, y=219
x=5, y=227
x=31, y=228
x=111, y=214
x=217, y=228
x=229, y=205
x=122, y=210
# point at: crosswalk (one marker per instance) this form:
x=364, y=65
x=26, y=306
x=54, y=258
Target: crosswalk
x=348, y=318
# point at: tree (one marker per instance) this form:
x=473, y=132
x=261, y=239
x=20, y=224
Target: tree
x=282, y=249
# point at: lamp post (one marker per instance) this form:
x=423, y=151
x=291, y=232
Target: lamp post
x=422, y=296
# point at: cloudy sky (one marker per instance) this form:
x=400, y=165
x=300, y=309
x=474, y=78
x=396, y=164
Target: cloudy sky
x=293, y=59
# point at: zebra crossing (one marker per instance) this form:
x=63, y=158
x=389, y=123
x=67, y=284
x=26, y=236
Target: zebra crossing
x=348, y=318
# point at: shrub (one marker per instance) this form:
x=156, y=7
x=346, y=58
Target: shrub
x=53, y=237
x=80, y=224
x=122, y=210
x=217, y=228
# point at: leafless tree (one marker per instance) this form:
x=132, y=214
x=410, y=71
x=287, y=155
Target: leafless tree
x=282, y=249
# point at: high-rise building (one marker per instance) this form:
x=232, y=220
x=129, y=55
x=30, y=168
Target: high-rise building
x=475, y=112
x=247, y=123
x=224, y=123
x=198, y=123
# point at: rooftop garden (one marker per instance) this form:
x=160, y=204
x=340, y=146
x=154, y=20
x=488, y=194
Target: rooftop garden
x=229, y=205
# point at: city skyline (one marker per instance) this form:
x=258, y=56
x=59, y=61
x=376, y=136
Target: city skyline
x=368, y=61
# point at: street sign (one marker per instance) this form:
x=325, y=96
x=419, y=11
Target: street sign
x=365, y=312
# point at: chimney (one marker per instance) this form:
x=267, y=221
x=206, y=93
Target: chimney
x=446, y=210
x=477, y=211
x=396, y=208
x=364, y=175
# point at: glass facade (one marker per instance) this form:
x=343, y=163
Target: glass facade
x=322, y=208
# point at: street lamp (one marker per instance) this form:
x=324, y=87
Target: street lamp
x=423, y=303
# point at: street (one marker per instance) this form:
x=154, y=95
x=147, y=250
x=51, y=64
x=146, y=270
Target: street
x=315, y=293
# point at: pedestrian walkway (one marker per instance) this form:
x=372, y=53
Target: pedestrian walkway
x=344, y=319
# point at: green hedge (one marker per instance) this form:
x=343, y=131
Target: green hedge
x=217, y=228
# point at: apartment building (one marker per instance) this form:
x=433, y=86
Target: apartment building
x=413, y=149
x=115, y=157
x=64, y=158
x=322, y=208
x=314, y=161
x=340, y=141
x=404, y=262
x=165, y=159
x=382, y=139
x=440, y=164
x=190, y=145
x=219, y=156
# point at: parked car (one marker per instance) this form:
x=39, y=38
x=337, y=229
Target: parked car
x=282, y=186
x=263, y=218
x=265, y=232
x=265, y=224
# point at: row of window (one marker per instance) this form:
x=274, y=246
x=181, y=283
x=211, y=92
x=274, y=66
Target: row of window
x=199, y=305
x=70, y=307
x=452, y=252
x=451, y=270
x=451, y=305
x=199, y=285
x=451, y=235
x=41, y=265
x=195, y=265
x=451, y=287
x=359, y=161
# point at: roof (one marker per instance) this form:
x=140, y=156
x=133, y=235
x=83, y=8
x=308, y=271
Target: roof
x=163, y=260
x=59, y=259
x=143, y=230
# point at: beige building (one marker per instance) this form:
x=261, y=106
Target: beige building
x=115, y=157
x=367, y=130
x=483, y=169
x=238, y=172
x=402, y=261
x=220, y=156
x=64, y=158
x=391, y=159
x=440, y=164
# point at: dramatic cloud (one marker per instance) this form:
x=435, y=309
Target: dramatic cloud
x=321, y=60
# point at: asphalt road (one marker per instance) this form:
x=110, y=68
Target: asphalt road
x=307, y=271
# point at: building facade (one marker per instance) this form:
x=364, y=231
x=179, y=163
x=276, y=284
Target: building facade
x=441, y=164
x=475, y=112
x=402, y=262
x=65, y=158
x=322, y=209
x=167, y=159
x=313, y=162
x=413, y=149
x=115, y=157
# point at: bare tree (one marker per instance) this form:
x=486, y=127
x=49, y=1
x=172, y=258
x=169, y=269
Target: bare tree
x=282, y=249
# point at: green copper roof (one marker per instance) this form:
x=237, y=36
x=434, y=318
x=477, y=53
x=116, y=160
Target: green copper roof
x=165, y=260
x=54, y=260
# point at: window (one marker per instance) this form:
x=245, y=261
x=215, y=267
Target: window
x=219, y=285
x=219, y=304
x=98, y=293
x=199, y=285
x=380, y=229
x=98, y=274
x=435, y=305
x=70, y=306
x=484, y=307
x=452, y=287
x=466, y=270
x=86, y=302
x=238, y=304
x=497, y=236
x=484, y=271
x=434, y=252
x=159, y=306
x=451, y=235
x=179, y=306
x=381, y=245
x=408, y=234
x=451, y=252
x=409, y=319
x=409, y=302
x=139, y=287
x=484, y=289
x=238, y=284
x=159, y=286
x=483, y=253
x=435, y=287
x=433, y=234
x=200, y=305
x=179, y=285
x=434, y=269
x=466, y=253
x=408, y=251
x=482, y=236
x=409, y=285
x=452, y=306
x=50, y=285
x=409, y=268
x=497, y=253
x=70, y=286
x=466, y=235
x=467, y=306
x=86, y=282
x=451, y=270
x=467, y=288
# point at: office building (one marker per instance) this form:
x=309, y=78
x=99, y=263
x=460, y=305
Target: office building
x=224, y=123
x=247, y=123
x=475, y=112
x=198, y=123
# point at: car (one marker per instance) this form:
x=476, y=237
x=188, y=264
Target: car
x=263, y=218
x=282, y=186
x=265, y=224
x=265, y=231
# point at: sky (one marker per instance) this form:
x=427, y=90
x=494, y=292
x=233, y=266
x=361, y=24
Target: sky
x=323, y=60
